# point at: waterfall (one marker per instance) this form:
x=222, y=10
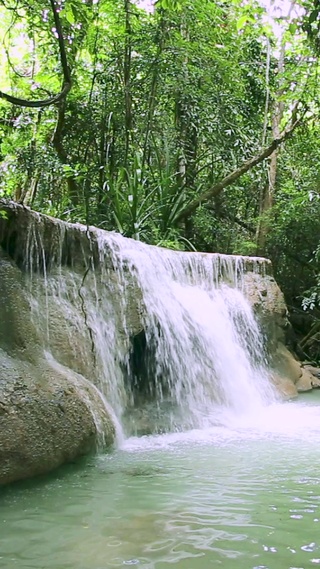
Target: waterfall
x=167, y=337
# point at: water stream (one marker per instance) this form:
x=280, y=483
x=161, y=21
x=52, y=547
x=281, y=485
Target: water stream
x=246, y=497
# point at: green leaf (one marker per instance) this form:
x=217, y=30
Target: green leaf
x=173, y=5
x=69, y=14
x=313, y=16
x=292, y=28
x=242, y=22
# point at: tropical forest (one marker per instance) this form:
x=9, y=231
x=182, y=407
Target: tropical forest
x=190, y=125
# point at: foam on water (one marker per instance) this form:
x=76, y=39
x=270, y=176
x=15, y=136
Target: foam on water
x=286, y=422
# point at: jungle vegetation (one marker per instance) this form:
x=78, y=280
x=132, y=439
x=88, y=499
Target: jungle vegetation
x=194, y=125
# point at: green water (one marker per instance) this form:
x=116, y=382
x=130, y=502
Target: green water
x=245, y=497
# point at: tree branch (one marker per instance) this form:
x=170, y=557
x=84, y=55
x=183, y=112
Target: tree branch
x=231, y=178
x=65, y=68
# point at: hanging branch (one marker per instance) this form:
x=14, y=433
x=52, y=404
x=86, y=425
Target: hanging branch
x=65, y=68
x=245, y=167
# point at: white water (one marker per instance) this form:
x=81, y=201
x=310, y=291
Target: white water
x=205, y=343
x=204, y=361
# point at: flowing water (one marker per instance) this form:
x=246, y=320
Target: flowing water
x=228, y=477
x=173, y=341
x=246, y=497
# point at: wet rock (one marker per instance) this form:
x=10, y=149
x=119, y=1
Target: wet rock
x=315, y=383
x=269, y=305
x=306, y=381
x=49, y=414
x=17, y=333
x=47, y=418
x=286, y=364
x=284, y=386
x=312, y=369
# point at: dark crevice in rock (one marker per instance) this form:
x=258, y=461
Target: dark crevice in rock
x=145, y=381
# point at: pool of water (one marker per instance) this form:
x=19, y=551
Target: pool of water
x=246, y=497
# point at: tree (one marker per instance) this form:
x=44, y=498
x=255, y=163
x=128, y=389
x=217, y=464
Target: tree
x=65, y=68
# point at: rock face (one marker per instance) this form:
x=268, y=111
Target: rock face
x=56, y=334
x=269, y=305
x=268, y=302
x=44, y=419
x=48, y=415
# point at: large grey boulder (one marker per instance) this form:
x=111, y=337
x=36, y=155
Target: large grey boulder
x=46, y=418
x=49, y=414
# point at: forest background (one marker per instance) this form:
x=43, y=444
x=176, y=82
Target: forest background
x=193, y=124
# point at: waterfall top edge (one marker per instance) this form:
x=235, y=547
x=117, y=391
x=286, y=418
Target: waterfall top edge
x=103, y=237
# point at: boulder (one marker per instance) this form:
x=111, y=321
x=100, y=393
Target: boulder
x=46, y=418
x=18, y=335
x=269, y=305
x=312, y=369
x=284, y=386
x=286, y=364
x=315, y=382
x=306, y=381
x=49, y=414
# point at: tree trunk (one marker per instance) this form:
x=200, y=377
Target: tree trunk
x=127, y=80
x=181, y=110
x=65, y=68
x=268, y=192
x=187, y=130
x=267, y=195
x=57, y=141
x=161, y=36
x=23, y=195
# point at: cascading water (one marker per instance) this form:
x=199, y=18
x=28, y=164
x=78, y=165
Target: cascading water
x=170, y=341
x=200, y=357
x=206, y=357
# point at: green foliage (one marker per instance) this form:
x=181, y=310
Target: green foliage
x=163, y=105
x=169, y=4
